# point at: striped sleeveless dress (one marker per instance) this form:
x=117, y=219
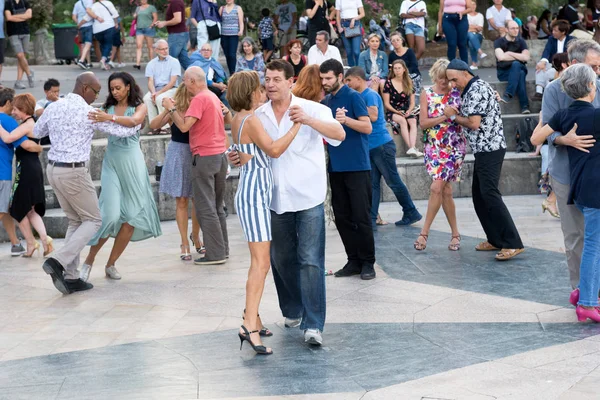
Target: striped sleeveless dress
x=253, y=196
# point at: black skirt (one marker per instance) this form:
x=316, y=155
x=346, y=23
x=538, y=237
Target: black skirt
x=28, y=189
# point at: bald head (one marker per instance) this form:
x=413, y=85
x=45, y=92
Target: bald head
x=87, y=86
x=194, y=79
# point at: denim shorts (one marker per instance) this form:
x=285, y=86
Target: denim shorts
x=413, y=29
x=150, y=32
x=267, y=44
x=86, y=34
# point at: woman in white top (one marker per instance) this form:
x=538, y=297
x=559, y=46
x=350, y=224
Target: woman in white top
x=475, y=37
x=104, y=27
x=413, y=13
x=348, y=16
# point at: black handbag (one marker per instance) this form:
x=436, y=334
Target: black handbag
x=213, y=31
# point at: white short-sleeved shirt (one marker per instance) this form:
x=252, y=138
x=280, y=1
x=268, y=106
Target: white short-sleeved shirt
x=500, y=17
x=105, y=10
x=79, y=11
x=315, y=56
x=476, y=20
x=299, y=174
x=348, y=8
x=417, y=6
x=285, y=13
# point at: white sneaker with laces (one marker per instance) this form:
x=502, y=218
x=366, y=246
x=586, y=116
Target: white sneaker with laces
x=482, y=56
x=418, y=153
x=292, y=322
x=112, y=64
x=112, y=273
x=411, y=152
x=121, y=65
x=313, y=336
x=84, y=274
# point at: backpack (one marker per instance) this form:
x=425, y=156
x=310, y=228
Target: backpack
x=523, y=135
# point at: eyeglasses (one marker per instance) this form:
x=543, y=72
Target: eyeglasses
x=96, y=92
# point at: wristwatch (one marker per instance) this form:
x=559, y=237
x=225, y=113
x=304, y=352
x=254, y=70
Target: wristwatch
x=172, y=110
x=114, y=118
x=452, y=117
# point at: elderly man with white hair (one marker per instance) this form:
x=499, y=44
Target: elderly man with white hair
x=162, y=72
x=205, y=121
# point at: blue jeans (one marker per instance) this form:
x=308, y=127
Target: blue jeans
x=475, y=40
x=515, y=76
x=589, y=281
x=456, y=30
x=230, y=44
x=298, y=264
x=106, y=41
x=352, y=46
x=178, y=48
x=383, y=163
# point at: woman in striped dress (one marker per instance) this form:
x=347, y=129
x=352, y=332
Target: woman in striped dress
x=253, y=197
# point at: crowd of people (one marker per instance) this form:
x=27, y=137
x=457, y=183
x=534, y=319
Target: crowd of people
x=301, y=124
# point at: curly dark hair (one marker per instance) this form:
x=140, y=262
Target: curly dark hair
x=135, y=94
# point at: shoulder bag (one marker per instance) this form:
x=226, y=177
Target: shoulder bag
x=213, y=31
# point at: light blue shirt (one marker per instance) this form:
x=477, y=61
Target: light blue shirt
x=79, y=10
x=558, y=157
x=162, y=71
x=1, y=19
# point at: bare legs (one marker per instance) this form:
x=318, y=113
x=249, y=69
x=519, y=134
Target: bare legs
x=85, y=52
x=9, y=226
x=121, y=242
x=417, y=43
x=260, y=262
x=22, y=66
x=182, y=217
x=440, y=194
x=33, y=221
x=408, y=130
x=149, y=44
x=139, y=44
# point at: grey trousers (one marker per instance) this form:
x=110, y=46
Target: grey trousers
x=208, y=186
x=572, y=225
x=77, y=197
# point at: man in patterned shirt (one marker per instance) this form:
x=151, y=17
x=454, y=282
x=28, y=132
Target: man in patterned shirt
x=481, y=118
x=69, y=177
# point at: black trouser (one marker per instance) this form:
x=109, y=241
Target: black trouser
x=312, y=32
x=351, y=200
x=495, y=218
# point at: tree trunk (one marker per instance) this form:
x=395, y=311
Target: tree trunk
x=40, y=47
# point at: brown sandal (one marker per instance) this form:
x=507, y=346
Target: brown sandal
x=486, y=246
x=421, y=246
x=507, y=254
x=454, y=246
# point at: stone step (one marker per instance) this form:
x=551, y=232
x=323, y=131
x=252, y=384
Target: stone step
x=520, y=174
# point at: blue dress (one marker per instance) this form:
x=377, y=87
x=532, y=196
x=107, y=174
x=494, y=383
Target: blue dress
x=253, y=196
x=126, y=194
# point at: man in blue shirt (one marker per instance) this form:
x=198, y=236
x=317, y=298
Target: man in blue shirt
x=382, y=152
x=7, y=152
x=350, y=172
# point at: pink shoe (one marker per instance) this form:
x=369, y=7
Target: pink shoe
x=583, y=314
x=574, y=297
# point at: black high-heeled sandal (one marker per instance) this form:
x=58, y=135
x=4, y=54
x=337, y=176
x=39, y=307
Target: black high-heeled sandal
x=246, y=336
x=201, y=249
x=264, y=332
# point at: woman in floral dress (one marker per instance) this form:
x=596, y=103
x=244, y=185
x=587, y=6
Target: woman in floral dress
x=445, y=149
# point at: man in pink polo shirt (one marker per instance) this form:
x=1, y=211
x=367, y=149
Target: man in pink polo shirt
x=205, y=124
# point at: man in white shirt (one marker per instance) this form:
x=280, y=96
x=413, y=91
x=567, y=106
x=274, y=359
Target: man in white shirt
x=299, y=188
x=497, y=15
x=52, y=92
x=557, y=43
x=322, y=51
x=162, y=72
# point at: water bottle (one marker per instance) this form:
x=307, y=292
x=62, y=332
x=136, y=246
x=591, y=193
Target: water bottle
x=158, y=170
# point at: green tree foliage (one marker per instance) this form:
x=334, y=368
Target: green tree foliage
x=41, y=11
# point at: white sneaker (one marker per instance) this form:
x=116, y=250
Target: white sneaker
x=411, y=152
x=482, y=56
x=474, y=67
x=121, y=65
x=112, y=273
x=292, y=322
x=84, y=275
x=313, y=336
x=112, y=64
x=418, y=153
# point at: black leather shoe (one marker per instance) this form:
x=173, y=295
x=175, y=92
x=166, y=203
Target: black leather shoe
x=56, y=270
x=77, y=285
x=351, y=268
x=409, y=219
x=368, y=272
